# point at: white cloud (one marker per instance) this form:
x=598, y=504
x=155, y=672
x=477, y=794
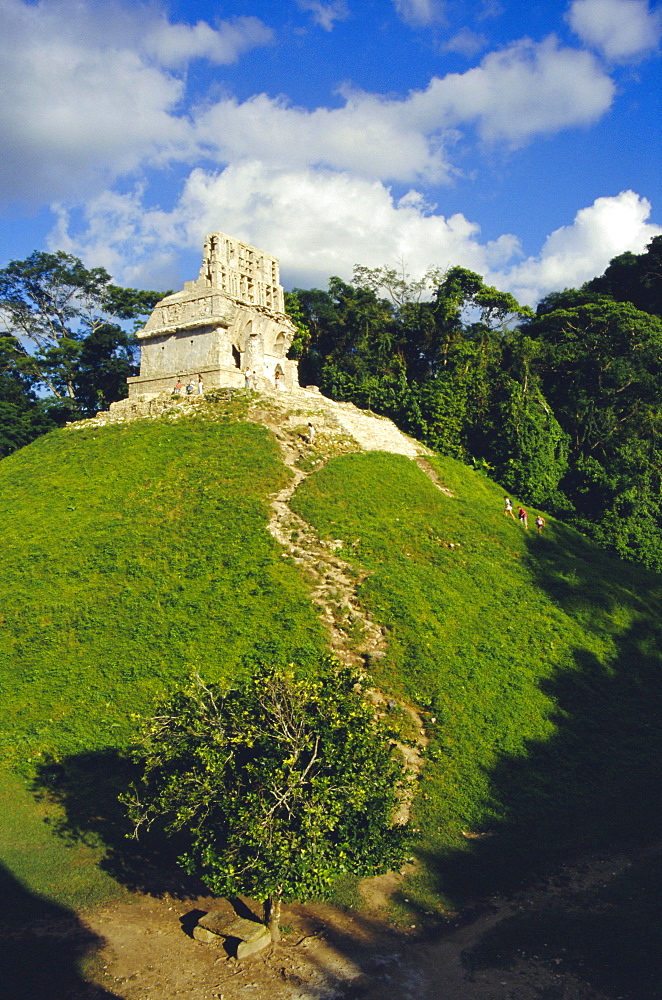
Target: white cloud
x=320, y=223
x=578, y=252
x=368, y=135
x=466, y=43
x=420, y=13
x=621, y=29
x=90, y=94
x=325, y=12
x=174, y=45
x=84, y=101
x=517, y=93
x=523, y=90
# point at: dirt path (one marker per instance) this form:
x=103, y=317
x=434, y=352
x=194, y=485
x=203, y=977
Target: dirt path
x=330, y=955
x=354, y=638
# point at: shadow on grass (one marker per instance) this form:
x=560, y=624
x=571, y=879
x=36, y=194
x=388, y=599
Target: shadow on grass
x=592, y=790
x=594, y=786
x=87, y=787
x=42, y=946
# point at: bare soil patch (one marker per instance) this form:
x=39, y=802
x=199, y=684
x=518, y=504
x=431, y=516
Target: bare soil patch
x=502, y=949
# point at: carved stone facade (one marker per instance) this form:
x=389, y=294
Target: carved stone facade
x=231, y=320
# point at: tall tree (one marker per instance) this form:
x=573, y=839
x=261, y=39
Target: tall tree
x=600, y=366
x=23, y=417
x=635, y=278
x=62, y=331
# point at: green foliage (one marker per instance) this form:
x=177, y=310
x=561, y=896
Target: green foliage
x=600, y=369
x=61, y=332
x=564, y=407
x=431, y=366
x=282, y=783
x=635, y=278
x=302, y=336
x=23, y=417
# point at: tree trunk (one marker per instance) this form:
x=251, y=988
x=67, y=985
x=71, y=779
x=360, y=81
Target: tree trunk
x=272, y=917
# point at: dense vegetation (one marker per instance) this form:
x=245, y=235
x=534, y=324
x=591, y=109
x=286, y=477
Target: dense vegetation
x=281, y=783
x=138, y=554
x=562, y=406
x=66, y=348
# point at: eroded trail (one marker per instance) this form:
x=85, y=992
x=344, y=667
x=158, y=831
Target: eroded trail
x=354, y=638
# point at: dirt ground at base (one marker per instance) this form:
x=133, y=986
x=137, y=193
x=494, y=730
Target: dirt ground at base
x=147, y=951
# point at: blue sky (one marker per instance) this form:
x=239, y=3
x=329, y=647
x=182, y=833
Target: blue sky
x=521, y=140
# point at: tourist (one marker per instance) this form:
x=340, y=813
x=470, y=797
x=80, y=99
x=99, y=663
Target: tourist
x=508, y=507
x=311, y=433
x=201, y=385
x=179, y=386
x=278, y=380
x=523, y=518
x=540, y=523
x=190, y=388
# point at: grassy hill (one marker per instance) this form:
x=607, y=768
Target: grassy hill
x=135, y=554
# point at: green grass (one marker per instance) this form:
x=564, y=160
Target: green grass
x=49, y=866
x=134, y=555
x=538, y=657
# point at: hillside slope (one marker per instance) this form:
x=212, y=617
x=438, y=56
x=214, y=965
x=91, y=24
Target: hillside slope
x=139, y=552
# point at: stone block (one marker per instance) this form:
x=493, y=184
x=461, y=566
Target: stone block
x=240, y=937
x=205, y=936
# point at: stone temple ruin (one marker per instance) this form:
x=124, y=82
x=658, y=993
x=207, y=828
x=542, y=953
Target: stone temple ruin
x=231, y=320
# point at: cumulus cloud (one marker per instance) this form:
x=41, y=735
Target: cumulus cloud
x=622, y=30
x=517, y=93
x=325, y=12
x=369, y=135
x=321, y=223
x=523, y=90
x=174, y=45
x=85, y=98
x=93, y=92
x=420, y=13
x=573, y=254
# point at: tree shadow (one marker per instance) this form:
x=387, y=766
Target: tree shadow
x=42, y=946
x=86, y=788
x=606, y=935
x=594, y=786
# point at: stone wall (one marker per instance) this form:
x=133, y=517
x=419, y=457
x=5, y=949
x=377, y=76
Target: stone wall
x=231, y=319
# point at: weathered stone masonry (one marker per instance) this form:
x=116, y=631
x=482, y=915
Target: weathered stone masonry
x=230, y=320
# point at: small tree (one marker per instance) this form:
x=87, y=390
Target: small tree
x=282, y=784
